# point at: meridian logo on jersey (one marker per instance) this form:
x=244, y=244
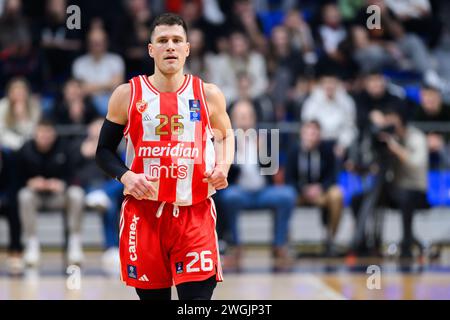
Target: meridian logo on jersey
x=141, y=106
x=179, y=151
x=132, y=241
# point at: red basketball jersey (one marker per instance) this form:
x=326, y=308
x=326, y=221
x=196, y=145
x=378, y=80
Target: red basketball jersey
x=169, y=136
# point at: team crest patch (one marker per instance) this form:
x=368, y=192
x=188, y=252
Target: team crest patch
x=141, y=106
x=131, y=271
x=179, y=267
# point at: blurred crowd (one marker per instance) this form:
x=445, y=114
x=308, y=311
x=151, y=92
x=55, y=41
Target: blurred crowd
x=349, y=92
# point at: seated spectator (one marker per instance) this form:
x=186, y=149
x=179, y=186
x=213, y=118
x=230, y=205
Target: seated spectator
x=249, y=189
x=244, y=18
x=102, y=192
x=193, y=13
x=198, y=58
x=310, y=169
x=44, y=168
x=19, y=114
x=330, y=98
x=75, y=108
x=284, y=66
x=376, y=96
x=225, y=68
x=407, y=49
x=18, y=56
x=263, y=104
x=432, y=109
x=403, y=154
x=369, y=54
x=300, y=35
x=99, y=70
x=59, y=44
x=417, y=16
x=132, y=35
x=8, y=208
x=331, y=31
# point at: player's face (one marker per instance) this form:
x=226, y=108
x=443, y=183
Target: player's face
x=169, y=48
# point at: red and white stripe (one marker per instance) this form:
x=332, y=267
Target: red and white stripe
x=139, y=132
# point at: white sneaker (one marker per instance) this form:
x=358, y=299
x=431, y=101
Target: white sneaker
x=98, y=199
x=15, y=264
x=32, y=252
x=111, y=261
x=74, y=250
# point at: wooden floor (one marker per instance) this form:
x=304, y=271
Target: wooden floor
x=310, y=278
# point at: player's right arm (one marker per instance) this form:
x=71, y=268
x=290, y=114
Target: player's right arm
x=137, y=185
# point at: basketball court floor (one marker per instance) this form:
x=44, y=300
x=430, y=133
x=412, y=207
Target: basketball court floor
x=309, y=278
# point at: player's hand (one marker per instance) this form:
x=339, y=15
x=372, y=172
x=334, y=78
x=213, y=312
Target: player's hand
x=138, y=185
x=218, y=178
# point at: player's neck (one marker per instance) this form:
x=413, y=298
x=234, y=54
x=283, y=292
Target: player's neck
x=167, y=82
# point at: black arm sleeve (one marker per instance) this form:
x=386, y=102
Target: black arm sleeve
x=106, y=157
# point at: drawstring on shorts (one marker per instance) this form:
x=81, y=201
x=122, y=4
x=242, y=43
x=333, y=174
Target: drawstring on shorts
x=175, y=211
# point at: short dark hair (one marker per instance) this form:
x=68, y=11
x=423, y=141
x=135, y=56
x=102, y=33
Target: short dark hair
x=46, y=122
x=313, y=122
x=392, y=110
x=168, y=19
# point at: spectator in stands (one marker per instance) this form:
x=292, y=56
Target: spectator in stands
x=331, y=31
x=59, y=44
x=74, y=108
x=192, y=12
x=249, y=189
x=417, y=16
x=132, y=36
x=245, y=19
x=369, y=54
x=8, y=208
x=284, y=65
x=263, y=104
x=102, y=193
x=199, y=59
x=241, y=59
x=431, y=110
x=18, y=57
x=405, y=188
x=376, y=96
x=19, y=114
x=300, y=35
x=407, y=49
x=99, y=70
x=330, y=98
x=44, y=169
x=311, y=171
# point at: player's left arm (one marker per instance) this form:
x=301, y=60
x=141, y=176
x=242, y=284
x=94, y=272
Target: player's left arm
x=223, y=136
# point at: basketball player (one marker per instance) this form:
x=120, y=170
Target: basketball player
x=173, y=166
